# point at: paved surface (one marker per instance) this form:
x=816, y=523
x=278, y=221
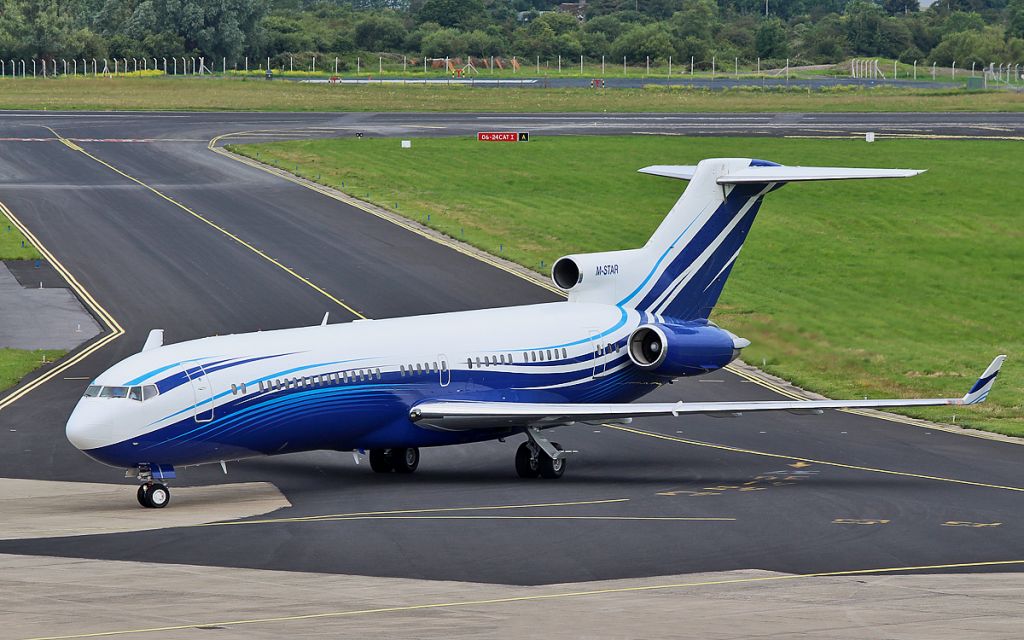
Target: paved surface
x=794, y=494
x=92, y=597
x=41, y=318
x=47, y=509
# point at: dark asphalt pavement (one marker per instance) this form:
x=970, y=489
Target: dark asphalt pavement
x=781, y=492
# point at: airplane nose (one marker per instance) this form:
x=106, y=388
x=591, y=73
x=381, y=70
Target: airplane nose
x=85, y=427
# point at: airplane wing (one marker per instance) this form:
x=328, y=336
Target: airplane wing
x=447, y=415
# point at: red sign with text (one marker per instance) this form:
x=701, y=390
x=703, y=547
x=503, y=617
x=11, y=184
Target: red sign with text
x=503, y=136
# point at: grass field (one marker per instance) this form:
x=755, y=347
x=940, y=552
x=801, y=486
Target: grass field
x=864, y=288
x=13, y=245
x=219, y=94
x=15, y=364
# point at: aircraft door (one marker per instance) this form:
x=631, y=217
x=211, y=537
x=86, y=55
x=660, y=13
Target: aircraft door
x=202, y=391
x=444, y=370
x=599, y=354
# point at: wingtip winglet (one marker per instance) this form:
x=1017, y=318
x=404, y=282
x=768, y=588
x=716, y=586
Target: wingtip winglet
x=981, y=388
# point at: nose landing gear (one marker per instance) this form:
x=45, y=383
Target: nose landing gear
x=152, y=494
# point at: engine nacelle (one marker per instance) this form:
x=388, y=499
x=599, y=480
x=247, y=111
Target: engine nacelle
x=675, y=350
x=597, y=277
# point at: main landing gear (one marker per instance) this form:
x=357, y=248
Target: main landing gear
x=152, y=494
x=401, y=460
x=539, y=458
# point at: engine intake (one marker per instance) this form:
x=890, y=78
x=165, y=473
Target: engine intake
x=675, y=350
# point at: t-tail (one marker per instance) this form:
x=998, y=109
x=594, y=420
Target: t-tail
x=679, y=274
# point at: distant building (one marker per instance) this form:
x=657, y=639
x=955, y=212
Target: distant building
x=578, y=9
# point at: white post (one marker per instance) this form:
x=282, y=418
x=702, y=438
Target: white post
x=247, y=64
x=972, y=69
x=65, y=72
x=602, y=66
x=380, y=65
x=314, y=64
x=933, y=70
x=736, y=64
x=712, y=67
x=291, y=64
x=559, y=63
x=581, y=65
x=915, y=69
x=691, y=65
x=954, y=71
x=648, y=65
x=787, y=69
x=135, y=65
x=623, y=65
x=538, y=64
x=358, y=63
x=404, y=64
x=424, y=68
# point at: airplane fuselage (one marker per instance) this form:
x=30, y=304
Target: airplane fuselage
x=351, y=386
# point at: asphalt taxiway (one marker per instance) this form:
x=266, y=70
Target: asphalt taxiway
x=158, y=230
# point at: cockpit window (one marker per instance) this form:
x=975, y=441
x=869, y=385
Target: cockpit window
x=114, y=392
x=139, y=394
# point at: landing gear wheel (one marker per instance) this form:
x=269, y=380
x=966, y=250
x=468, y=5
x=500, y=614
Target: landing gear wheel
x=527, y=462
x=382, y=460
x=141, y=495
x=154, y=495
x=551, y=468
x=405, y=460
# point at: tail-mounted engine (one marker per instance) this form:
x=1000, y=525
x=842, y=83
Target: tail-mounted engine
x=675, y=350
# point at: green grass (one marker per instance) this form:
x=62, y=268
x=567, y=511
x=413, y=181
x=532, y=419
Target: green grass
x=13, y=245
x=15, y=364
x=219, y=94
x=904, y=287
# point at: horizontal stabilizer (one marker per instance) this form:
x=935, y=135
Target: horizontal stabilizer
x=768, y=174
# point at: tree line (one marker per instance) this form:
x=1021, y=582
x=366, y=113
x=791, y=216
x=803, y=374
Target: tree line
x=804, y=31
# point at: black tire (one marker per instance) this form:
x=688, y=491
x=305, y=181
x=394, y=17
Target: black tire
x=405, y=460
x=551, y=468
x=527, y=465
x=141, y=495
x=157, y=496
x=382, y=460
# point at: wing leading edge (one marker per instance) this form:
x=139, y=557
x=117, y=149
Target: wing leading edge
x=465, y=416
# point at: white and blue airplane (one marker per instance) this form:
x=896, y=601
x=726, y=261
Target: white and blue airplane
x=634, y=319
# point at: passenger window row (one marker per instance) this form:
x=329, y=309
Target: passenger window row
x=422, y=368
x=542, y=355
x=489, y=361
x=322, y=380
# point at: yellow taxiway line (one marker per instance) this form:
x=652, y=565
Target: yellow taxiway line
x=842, y=465
x=214, y=225
x=558, y=595
x=114, y=329
x=397, y=512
